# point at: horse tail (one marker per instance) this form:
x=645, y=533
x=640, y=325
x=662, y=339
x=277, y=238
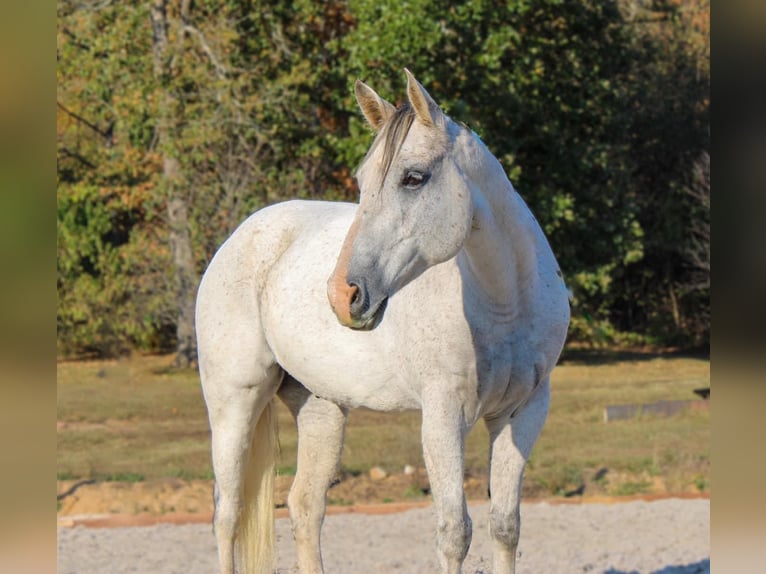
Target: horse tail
x=256, y=519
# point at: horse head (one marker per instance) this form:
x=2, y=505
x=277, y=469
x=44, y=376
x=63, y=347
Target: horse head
x=415, y=208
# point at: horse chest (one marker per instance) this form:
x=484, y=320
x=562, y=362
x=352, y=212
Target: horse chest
x=507, y=372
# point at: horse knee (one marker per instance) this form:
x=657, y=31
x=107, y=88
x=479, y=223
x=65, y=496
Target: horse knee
x=297, y=505
x=225, y=515
x=505, y=527
x=454, y=536
x=306, y=513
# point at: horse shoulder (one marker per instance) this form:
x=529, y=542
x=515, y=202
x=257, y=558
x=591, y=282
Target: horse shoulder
x=514, y=356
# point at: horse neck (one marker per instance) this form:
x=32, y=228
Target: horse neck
x=499, y=258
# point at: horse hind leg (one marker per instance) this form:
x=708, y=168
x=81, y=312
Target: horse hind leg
x=321, y=426
x=243, y=447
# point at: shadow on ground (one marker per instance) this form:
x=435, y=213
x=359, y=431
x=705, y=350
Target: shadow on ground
x=588, y=356
x=701, y=567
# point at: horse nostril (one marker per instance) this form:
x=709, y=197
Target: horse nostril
x=358, y=303
x=357, y=293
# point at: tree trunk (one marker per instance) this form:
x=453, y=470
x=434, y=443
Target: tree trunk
x=186, y=278
x=674, y=306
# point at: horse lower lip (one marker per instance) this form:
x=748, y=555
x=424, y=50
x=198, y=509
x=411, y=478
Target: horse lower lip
x=374, y=319
x=380, y=310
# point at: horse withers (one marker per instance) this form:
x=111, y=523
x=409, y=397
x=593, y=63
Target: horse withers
x=437, y=292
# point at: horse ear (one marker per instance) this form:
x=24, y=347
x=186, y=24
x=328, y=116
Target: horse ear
x=376, y=110
x=426, y=109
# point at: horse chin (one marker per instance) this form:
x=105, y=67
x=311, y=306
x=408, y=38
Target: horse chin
x=373, y=319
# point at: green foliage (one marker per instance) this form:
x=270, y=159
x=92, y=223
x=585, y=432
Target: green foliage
x=631, y=488
x=599, y=112
x=109, y=270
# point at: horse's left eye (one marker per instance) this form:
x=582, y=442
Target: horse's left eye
x=414, y=179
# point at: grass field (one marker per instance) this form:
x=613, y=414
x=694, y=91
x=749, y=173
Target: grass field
x=137, y=419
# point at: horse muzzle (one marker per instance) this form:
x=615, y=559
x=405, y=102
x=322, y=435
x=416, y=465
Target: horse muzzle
x=352, y=304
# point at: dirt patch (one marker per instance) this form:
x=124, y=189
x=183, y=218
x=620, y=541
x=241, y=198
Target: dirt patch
x=148, y=497
x=173, y=496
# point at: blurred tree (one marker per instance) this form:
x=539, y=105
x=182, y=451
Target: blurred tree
x=173, y=183
x=177, y=119
x=112, y=255
x=669, y=151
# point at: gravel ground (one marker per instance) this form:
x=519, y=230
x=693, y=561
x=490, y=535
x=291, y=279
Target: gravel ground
x=662, y=537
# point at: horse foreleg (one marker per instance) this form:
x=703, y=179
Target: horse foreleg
x=321, y=427
x=444, y=431
x=511, y=441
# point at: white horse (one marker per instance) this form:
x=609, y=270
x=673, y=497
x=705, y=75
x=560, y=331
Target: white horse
x=444, y=296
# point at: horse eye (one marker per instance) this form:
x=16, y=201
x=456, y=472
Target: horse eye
x=414, y=179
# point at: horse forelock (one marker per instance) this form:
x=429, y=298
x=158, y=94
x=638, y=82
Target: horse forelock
x=395, y=133
x=390, y=139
